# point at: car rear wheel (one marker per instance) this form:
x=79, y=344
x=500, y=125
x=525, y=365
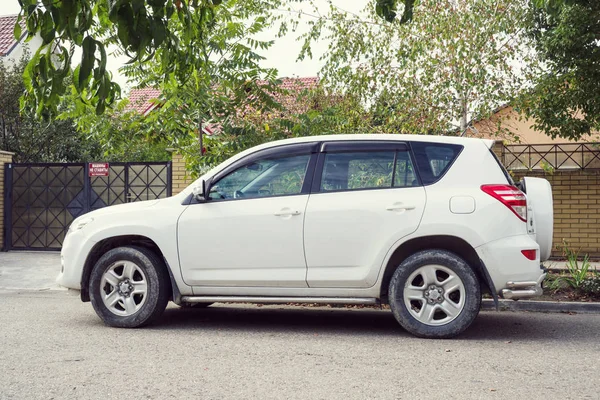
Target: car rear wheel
x=434, y=294
x=129, y=287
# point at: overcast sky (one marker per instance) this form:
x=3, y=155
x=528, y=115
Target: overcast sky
x=282, y=55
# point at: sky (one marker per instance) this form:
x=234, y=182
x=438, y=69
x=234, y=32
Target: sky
x=282, y=55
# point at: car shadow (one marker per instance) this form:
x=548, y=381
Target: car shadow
x=489, y=326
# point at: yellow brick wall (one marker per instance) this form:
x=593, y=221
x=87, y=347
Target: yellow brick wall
x=180, y=177
x=498, y=149
x=576, y=208
x=5, y=158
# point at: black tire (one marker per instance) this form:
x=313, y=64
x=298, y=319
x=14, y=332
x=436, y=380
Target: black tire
x=472, y=294
x=158, y=286
x=195, y=305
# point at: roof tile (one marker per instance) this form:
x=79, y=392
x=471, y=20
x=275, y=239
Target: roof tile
x=7, y=38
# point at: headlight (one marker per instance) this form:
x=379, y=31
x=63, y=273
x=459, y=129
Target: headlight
x=80, y=223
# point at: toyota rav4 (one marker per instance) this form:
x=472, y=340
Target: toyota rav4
x=426, y=224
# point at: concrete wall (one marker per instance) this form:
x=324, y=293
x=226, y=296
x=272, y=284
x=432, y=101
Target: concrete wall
x=5, y=158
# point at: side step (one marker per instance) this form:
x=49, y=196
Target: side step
x=278, y=300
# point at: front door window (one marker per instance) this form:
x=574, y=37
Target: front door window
x=263, y=178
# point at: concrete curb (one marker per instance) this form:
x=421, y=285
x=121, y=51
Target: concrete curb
x=543, y=306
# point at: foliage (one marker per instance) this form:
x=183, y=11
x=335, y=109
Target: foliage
x=578, y=272
x=322, y=113
x=32, y=140
x=171, y=33
x=387, y=9
x=591, y=285
x=454, y=62
x=566, y=99
x=225, y=81
x=119, y=134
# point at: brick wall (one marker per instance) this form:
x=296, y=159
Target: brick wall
x=576, y=208
x=180, y=177
x=576, y=205
x=5, y=158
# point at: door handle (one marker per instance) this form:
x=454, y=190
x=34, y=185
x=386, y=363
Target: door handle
x=285, y=213
x=400, y=206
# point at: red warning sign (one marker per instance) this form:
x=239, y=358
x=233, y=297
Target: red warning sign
x=98, y=169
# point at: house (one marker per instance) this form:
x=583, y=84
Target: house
x=12, y=49
x=506, y=124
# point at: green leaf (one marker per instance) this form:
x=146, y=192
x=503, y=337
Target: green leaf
x=47, y=28
x=17, y=29
x=87, y=61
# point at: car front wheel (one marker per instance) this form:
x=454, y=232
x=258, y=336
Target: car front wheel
x=434, y=294
x=129, y=287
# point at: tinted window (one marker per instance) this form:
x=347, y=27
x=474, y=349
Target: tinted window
x=262, y=178
x=367, y=170
x=434, y=159
x=405, y=171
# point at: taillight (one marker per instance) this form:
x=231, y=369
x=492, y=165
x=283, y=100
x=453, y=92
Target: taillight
x=510, y=196
x=529, y=254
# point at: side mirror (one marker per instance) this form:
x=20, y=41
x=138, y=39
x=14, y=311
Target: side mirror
x=199, y=192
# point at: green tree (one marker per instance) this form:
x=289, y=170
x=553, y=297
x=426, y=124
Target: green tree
x=226, y=83
x=455, y=61
x=120, y=134
x=170, y=33
x=30, y=139
x=565, y=101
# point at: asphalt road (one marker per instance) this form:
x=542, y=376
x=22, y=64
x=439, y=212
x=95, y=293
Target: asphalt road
x=52, y=346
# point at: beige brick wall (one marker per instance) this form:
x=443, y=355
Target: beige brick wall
x=576, y=208
x=180, y=177
x=5, y=158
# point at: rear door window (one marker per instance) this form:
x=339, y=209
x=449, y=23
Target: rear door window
x=434, y=159
x=367, y=170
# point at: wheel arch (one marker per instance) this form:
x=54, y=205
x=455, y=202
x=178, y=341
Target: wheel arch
x=113, y=242
x=453, y=244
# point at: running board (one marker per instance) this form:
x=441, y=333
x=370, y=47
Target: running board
x=278, y=300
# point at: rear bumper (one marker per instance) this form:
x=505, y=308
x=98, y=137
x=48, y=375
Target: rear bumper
x=514, y=276
x=524, y=289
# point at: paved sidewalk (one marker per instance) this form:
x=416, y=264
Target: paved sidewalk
x=29, y=270
x=562, y=264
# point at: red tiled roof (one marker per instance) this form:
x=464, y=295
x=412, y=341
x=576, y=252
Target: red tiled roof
x=142, y=100
x=7, y=37
x=294, y=86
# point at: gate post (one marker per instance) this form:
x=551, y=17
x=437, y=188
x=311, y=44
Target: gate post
x=179, y=176
x=5, y=184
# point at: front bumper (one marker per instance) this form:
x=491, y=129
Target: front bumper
x=73, y=254
x=524, y=289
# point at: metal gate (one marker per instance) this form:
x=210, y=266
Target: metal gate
x=43, y=199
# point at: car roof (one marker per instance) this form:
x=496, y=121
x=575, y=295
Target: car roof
x=380, y=136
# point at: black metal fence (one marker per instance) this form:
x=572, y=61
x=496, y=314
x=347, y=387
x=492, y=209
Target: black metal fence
x=551, y=156
x=43, y=199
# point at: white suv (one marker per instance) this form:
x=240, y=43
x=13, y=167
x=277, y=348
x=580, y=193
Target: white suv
x=424, y=223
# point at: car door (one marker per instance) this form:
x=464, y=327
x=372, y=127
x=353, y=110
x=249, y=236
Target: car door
x=249, y=232
x=366, y=197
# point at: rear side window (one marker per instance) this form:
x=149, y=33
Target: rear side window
x=367, y=170
x=361, y=170
x=434, y=159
